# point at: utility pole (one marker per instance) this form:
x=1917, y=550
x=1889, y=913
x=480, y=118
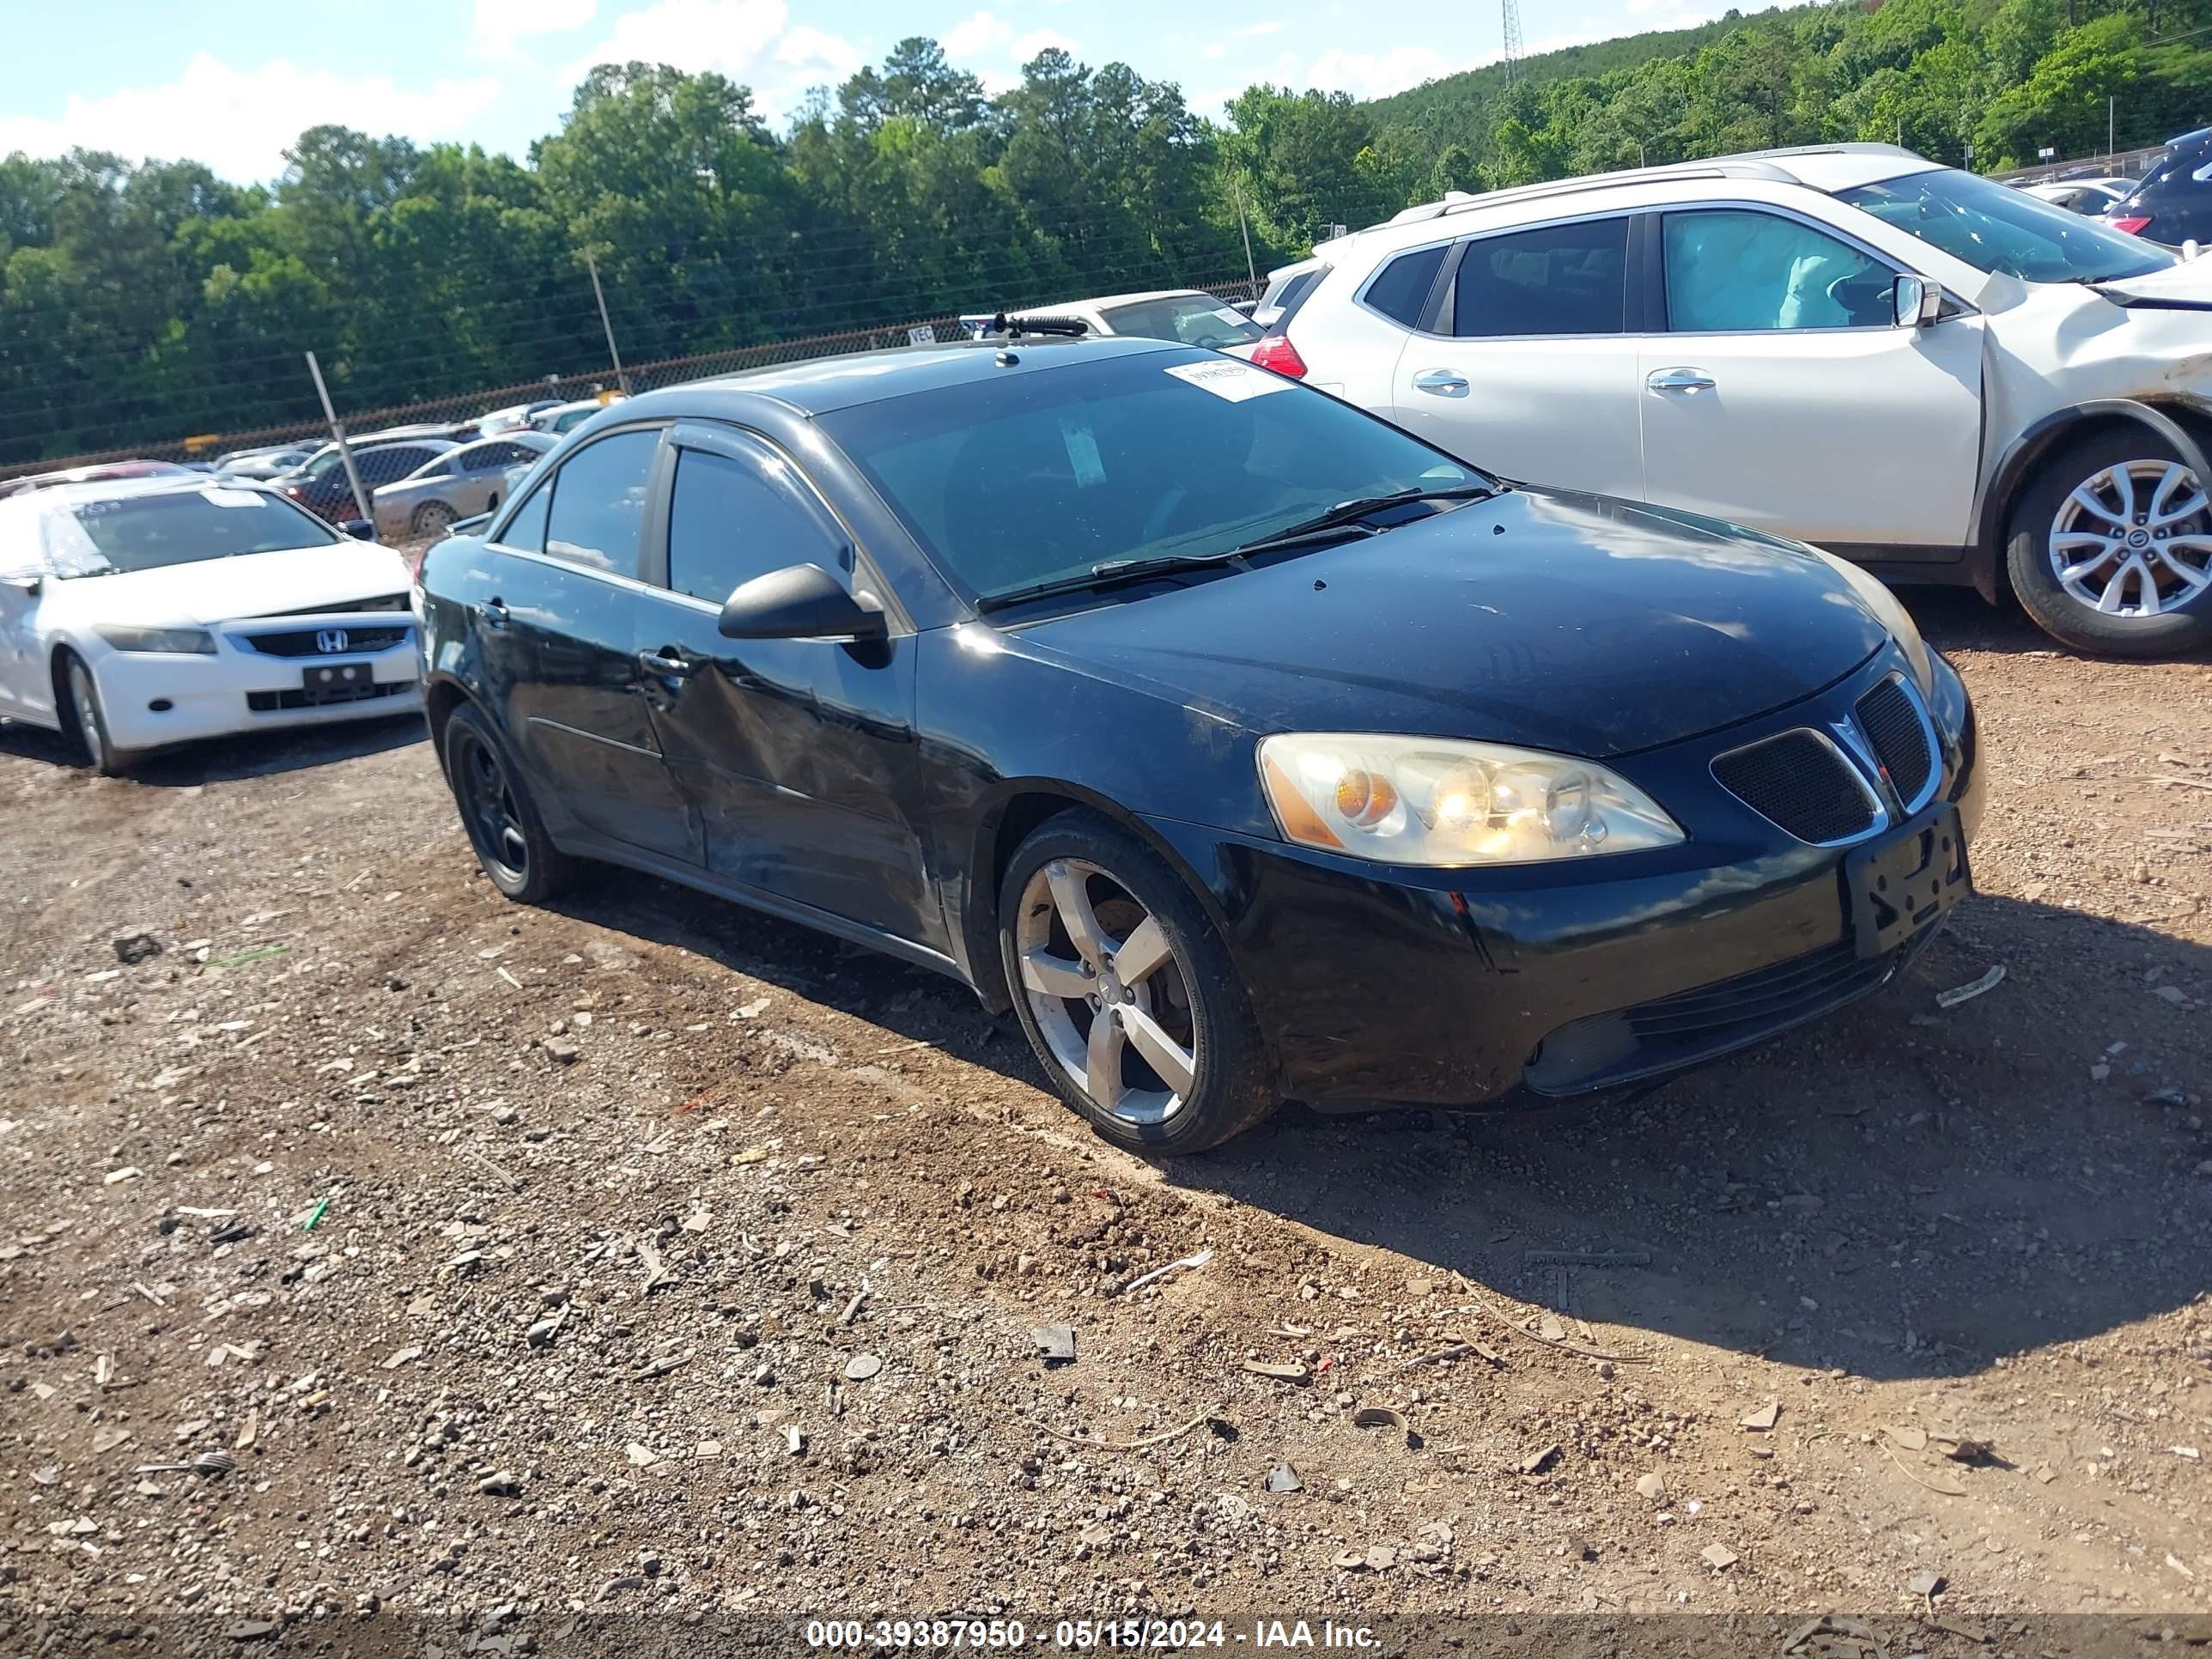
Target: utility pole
x=1251, y=272
x=338, y=437
x=600, y=294
x=2109, y=104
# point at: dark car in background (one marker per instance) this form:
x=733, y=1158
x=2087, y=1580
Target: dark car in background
x=323, y=488
x=1242, y=744
x=2172, y=202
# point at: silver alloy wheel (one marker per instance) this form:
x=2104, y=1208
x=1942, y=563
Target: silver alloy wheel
x=2133, y=539
x=88, y=713
x=432, y=517
x=1118, y=1014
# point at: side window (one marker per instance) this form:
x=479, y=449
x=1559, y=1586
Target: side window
x=1731, y=270
x=527, y=529
x=438, y=469
x=1401, y=290
x=484, y=457
x=730, y=521
x=384, y=466
x=599, y=503
x=1561, y=279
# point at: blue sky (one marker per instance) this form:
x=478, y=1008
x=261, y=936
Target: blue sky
x=230, y=83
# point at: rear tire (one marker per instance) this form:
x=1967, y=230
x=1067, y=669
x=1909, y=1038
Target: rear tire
x=1179, y=1053
x=2076, y=563
x=84, y=723
x=501, y=818
x=432, y=519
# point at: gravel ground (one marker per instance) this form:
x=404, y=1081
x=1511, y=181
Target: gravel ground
x=489, y=1265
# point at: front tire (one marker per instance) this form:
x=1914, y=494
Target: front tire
x=2110, y=548
x=501, y=819
x=84, y=722
x=432, y=519
x=1126, y=992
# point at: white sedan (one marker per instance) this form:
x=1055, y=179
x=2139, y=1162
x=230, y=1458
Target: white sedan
x=154, y=612
x=1188, y=316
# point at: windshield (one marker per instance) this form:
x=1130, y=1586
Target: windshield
x=1995, y=227
x=183, y=526
x=1033, y=478
x=1195, y=319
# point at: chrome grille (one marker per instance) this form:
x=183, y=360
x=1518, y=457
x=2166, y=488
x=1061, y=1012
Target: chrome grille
x=308, y=642
x=1891, y=717
x=1799, y=782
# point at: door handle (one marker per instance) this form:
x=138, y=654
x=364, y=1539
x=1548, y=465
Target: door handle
x=495, y=611
x=668, y=663
x=1442, y=381
x=1688, y=381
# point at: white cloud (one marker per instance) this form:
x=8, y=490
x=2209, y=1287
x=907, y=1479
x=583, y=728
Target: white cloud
x=975, y=34
x=1038, y=41
x=499, y=21
x=1376, y=74
x=747, y=40
x=239, y=122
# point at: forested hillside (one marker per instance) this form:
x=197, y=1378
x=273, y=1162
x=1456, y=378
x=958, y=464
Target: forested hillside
x=144, y=301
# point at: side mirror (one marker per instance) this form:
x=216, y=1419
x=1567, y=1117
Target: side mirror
x=1919, y=301
x=360, y=529
x=801, y=602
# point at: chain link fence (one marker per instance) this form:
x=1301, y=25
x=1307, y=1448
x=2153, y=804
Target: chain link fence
x=363, y=426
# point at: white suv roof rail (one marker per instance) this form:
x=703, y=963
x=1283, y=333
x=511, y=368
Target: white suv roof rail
x=1752, y=164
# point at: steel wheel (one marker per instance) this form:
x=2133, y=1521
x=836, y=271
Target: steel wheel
x=432, y=519
x=1110, y=995
x=488, y=808
x=2133, y=539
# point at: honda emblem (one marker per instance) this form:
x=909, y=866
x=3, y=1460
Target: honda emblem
x=330, y=641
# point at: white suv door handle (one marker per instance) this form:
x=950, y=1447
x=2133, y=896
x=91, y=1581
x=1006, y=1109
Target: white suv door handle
x=1691, y=380
x=1442, y=381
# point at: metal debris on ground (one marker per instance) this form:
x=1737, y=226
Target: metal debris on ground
x=1055, y=1344
x=862, y=1366
x=1968, y=993
x=1761, y=1420
x=1925, y=1582
x=315, y=1215
x=1291, y=1372
x=1719, y=1557
x=1284, y=1478
x=1220, y=1426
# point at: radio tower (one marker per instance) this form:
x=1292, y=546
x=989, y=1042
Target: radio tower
x=1512, y=30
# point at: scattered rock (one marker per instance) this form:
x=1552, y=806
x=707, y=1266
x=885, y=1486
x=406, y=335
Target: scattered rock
x=1652, y=1485
x=1926, y=1582
x=862, y=1366
x=1535, y=1463
x=135, y=947
x=1719, y=1557
x=1762, y=1420
x=502, y=1485
x=561, y=1050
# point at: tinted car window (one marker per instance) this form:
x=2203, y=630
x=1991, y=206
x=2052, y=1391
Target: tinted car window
x=384, y=466
x=599, y=503
x=1729, y=271
x=730, y=521
x=1186, y=319
x=1401, y=289
x=1562, y=279
x=1034, y=476
x=183, y=526
x=527, y=529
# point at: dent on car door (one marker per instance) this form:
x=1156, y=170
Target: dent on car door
x=1524, y=362
x=1786, y=397
x=799, y=755
x=555, y=611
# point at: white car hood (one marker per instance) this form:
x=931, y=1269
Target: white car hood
x=2189, y=279
x=335, y=577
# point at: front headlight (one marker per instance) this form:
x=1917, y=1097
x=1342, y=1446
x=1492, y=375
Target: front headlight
x=1890, y=613
x=165, y=642
x=1438, y=801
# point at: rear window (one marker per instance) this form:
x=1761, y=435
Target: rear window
x=1401, y=290
x=1191, y=320
x=1560, y=279
x=184, y=526
x=1286, y=292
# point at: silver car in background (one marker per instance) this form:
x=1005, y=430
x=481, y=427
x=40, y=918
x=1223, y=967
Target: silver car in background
x=458, y=484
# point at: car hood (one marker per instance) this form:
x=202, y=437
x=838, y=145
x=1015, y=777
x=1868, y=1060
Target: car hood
x=1571, y=623
x=335, y=577
x=2185, y=279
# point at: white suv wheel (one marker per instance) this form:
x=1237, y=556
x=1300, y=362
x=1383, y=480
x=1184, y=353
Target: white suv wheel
x=2133, y=539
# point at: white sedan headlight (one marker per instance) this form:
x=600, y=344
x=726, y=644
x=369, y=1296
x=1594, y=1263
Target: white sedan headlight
x=1890, y=613
x=164, y=641
x=1439, y=801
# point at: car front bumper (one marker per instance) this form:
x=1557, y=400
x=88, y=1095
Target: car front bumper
x=152, y=699
x=1372, y=981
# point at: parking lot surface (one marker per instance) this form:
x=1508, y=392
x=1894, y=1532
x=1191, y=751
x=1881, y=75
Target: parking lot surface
x=496, y=1262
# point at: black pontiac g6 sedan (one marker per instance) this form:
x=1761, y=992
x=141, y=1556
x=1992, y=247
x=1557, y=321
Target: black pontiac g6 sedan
x=1245, y=745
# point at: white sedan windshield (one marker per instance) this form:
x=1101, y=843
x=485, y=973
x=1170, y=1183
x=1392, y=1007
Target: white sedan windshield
x=180, y=526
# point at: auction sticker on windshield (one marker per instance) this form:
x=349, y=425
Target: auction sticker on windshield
x=1233, y=380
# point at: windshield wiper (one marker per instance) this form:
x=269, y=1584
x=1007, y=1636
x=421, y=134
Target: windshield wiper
x=1115, y=573
x=1346, y=515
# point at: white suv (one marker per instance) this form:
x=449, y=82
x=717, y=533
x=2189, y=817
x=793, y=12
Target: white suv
x=1930, y=373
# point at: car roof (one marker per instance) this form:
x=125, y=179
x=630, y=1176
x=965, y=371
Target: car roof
x=117, y=489
x=820, y=384
x=1105, y=301
x=1826, y=167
